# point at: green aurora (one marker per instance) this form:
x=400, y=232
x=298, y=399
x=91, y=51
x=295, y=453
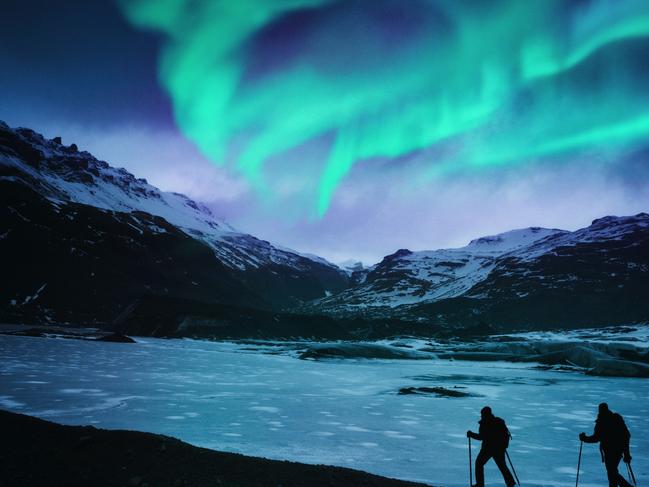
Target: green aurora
x=497, y=83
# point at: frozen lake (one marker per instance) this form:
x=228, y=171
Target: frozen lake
x=237, y=398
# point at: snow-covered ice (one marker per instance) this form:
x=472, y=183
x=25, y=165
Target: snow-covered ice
x=243, y=398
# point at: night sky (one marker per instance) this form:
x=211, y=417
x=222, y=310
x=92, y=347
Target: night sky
x=349, y=128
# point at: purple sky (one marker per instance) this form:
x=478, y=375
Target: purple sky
x=94, y=83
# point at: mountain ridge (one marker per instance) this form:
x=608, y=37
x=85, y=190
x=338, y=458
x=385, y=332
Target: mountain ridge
x=118, y=238
x=590, y=276
x=63, y=175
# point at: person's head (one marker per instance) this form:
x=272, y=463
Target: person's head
x=603, y=409
x=485, y=412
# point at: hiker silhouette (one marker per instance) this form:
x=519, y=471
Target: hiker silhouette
x=613, y=437
x=494, y=435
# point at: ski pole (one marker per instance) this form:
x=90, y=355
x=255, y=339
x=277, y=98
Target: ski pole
x=513, y=469
x=581, y=445
x=628, y=473
x=630, y=470
x=470, y=465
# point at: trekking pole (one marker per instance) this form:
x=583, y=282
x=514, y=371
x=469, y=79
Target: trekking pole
x=630, y=470
x=513, y=469
x=470, y=465
x=581, y=445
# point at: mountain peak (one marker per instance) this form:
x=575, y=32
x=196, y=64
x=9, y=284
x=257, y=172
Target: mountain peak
x=513, y=239
x=641, y=218
x=398, y=254
x=65, y=174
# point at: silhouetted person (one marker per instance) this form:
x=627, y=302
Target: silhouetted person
x=494, y=435
x=613, y=437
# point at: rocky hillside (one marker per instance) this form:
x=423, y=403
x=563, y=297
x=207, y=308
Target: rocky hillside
x=81, y=240
x=407, y=277
x=528, y=278
x=86, y=243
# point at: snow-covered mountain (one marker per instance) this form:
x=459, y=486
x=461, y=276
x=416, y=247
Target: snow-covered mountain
x=407, y=277
x=63, y=177
x=532, y=276
x=613, y=252
x=82, y=241
x=64, y=174
x=351, y=266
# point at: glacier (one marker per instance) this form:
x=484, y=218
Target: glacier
x=259, y=398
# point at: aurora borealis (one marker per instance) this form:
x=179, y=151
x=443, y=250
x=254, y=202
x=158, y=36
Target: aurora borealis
x=492, y=83
x=349, y=128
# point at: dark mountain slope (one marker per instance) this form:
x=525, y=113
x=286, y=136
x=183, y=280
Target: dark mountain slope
x=76, y=263
x=598, y=275
x=81, y=240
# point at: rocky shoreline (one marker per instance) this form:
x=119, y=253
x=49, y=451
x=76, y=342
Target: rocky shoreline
x=35, y=452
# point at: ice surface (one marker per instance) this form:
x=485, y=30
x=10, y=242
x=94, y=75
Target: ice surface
x=637, y=335
x=242, y=398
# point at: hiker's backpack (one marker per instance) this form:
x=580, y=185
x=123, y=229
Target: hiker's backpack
x=501, y=433
x=618, y=434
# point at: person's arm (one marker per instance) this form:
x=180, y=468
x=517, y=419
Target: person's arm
x=627, y=455
x=475, y=436
x=588, y=439
x=594, y=438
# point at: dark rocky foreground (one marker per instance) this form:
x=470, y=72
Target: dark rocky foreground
x=34, y=452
